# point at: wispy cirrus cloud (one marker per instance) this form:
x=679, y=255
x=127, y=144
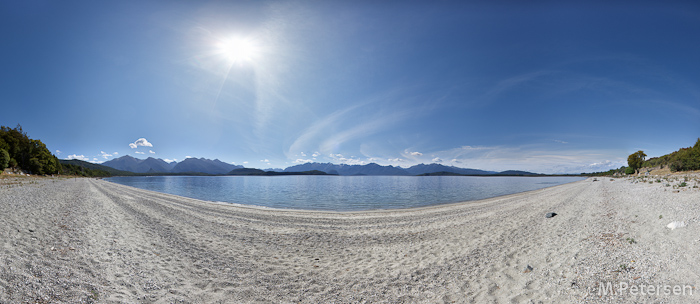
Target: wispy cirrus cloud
x=539, y=158
x=377, y=114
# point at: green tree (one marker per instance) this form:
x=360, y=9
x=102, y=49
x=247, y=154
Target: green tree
x=35, y=166
x=4, y=159
x=636, y=160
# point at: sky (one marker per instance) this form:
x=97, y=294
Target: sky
x=547, y=86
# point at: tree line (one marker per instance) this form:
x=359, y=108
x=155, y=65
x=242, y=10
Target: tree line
x=685, y=159
x=18, y=151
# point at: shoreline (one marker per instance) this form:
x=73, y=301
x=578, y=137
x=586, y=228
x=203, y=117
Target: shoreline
x=242, y=205
x=330, y=212
x=73, y=240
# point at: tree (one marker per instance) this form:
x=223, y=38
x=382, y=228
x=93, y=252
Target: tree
x=4, y=159
x=636, y=159
x=35, y=166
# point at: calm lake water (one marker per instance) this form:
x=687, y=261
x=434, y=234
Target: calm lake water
x=340, y=193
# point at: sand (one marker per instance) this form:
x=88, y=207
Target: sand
x=87, y=240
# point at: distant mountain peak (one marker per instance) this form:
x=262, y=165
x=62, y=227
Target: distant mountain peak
x=157, y=165
x=216, y=166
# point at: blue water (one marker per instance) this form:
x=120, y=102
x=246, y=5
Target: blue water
x=340, y=193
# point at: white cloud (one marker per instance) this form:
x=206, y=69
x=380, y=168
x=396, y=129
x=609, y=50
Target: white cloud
x=316, y=154
x=395, y=160
x=437, y=160
x=302, y=154
x=151, y=151
x=140, y=142
x=265, y=160
x=80, y=157
x=137, y=152
x=58, y=152
x=245, y=162
x=348, y=161
x=303, y=161
x=415, y=153
x=186, y=157
x=456, y=161
x=561, y=141
x=116, y=153
x=105, y=155
x=170, y=160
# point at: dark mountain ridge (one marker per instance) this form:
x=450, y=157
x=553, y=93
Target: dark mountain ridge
x=217, y=167
x=376, y=169
x=157, y=165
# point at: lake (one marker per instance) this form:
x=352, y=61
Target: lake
x=340, y=193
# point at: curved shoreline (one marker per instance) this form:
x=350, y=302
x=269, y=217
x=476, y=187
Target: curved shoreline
x=378, y=212
x=88, y=240
x=342, y=211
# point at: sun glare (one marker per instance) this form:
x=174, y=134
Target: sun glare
x=238, y=50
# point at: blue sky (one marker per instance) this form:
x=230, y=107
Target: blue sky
x=548, y=87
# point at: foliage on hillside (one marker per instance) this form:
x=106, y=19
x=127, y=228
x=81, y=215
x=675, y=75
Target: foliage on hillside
x=18, y=151
x=611, y=172
x=685, y=159
x=26, y=153
x=77, y=170
x=83, y=168
x=258, y=172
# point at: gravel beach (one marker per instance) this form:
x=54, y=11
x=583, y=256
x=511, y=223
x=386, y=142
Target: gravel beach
x=87, y=240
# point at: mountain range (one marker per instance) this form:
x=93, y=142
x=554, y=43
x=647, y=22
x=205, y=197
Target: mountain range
x=157, y=165
x=217, y=167
x=375, y=169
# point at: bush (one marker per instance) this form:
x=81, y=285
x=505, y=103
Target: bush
x=629, y=170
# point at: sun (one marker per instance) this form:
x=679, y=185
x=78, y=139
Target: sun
x=238, y=50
